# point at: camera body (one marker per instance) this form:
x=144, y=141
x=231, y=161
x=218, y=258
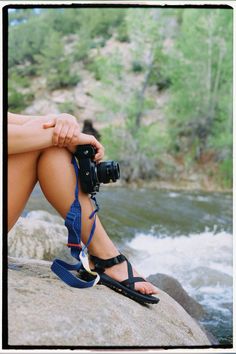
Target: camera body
x=92, y=174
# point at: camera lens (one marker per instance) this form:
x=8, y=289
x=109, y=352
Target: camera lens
x=108, y=171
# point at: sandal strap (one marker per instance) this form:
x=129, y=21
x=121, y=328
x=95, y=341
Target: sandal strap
x=101, y=264
x=130, y=270
x=130, y=282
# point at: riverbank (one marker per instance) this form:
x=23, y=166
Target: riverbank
x=171, y=174
x=194, y=184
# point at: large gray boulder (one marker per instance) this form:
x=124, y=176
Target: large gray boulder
x=44, y=311
x=39, y=235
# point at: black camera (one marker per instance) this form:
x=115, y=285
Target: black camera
x=92, y=174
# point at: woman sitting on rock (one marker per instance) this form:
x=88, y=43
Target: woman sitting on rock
x=40, y=149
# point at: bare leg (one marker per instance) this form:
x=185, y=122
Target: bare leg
x=22, y=178
x=57, y=179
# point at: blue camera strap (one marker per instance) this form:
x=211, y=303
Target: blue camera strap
x=73, y=224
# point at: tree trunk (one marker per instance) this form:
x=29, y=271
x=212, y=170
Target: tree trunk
x=141, y=93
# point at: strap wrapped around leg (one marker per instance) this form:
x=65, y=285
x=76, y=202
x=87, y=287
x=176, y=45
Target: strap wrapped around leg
x=73, y=224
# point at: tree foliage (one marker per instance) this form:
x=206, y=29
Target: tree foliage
x=185, y=52
x=54, y=64
x=200, y=112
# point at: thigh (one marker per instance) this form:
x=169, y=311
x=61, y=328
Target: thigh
x=22, y=177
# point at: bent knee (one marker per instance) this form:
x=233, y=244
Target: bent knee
x=24, y=158
x=54, y=152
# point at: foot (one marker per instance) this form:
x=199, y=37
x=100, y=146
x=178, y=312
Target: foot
x=119, y=272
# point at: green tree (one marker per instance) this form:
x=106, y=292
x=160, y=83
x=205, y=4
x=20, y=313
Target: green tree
x=201, y=75
x=144, y=33
x=54, y=64
x=18, y=16
x=25, y=40
x=144, y=28
x=200, y=113
x=63, y=20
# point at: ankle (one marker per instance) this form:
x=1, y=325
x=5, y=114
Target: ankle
x=104, y=254
x=104, y=263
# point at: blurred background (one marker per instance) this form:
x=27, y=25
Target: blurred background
x=157, y=85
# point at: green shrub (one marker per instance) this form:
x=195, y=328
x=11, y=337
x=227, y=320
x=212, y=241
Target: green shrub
x=162, y=82
x=18, y=80
x=82, y=48
x=101, y=22
x=122, y=33
x=225, y=174
x=55, y=65
x=95, y=67
x=137, y=67
x=152, y=141
x=18, y=101
x=26, y=40
x=105, y=69
x=98, y=42
x=60, y=79
x=25, y=71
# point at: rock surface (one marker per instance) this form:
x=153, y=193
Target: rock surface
x=44, y=311
x=39, y=235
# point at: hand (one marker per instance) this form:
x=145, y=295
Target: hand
x=84, y=139
x=66, y=129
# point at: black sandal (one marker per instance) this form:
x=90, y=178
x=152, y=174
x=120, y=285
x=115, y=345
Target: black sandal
x=125, y=287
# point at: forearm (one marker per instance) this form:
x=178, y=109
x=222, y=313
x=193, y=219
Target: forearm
x=36, y=133
x=21, y=119
x=28, y=137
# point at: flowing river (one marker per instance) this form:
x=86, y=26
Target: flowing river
x=187, y=235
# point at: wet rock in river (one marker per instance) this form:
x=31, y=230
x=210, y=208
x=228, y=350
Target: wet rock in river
x=173, y=288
